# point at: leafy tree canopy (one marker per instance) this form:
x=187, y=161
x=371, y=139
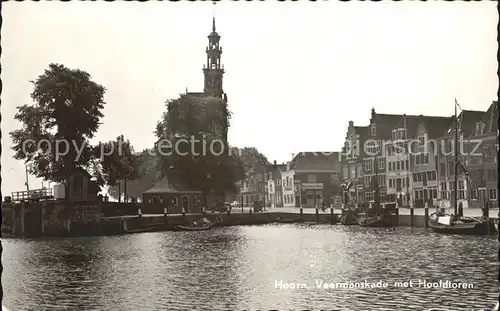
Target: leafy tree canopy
x=249, y=157
x=148, y=176
x=55, y=132
x=118, y=161
x=205, y=162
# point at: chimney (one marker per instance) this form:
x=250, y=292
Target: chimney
x=275, y=163
x=373, y=112
x=351, y=124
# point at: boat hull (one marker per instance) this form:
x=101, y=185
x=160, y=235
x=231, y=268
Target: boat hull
x=140, y=230
x=375, y=221
x=481, y=228
x=348, y=218
x=188, y=228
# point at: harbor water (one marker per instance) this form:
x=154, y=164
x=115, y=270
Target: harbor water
x=272, y=267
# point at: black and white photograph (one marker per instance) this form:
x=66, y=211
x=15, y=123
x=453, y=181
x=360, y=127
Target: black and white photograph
x=249, y=155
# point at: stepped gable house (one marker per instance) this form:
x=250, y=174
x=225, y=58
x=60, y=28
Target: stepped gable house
x=423, y=160
x=352, y=161
x=387, y=162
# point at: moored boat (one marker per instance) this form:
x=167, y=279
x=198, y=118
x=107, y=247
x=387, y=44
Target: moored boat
x=456, y=223
x=348, y=216
x=140, y=230
x=463, y=225
x=193, y=228
x=374, y=221
x=202, y=225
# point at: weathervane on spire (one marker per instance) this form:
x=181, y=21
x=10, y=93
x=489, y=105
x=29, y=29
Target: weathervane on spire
x=213, y=15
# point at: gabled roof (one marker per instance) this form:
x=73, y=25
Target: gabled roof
x=467, y=120
x=77, y=170
x=170, y=185
x=362, y=131
x=316, y=161
x=490, y=118
x=435, y=127
x=387, y=122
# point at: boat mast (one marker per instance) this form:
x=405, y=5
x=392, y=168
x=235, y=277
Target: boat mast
x=408, y=156
x=455, y=194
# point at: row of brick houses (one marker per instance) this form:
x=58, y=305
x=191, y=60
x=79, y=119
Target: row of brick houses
x=410, y=158
x=302, y=182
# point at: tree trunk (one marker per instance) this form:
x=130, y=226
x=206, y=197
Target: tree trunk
x=125, y=197
x=119, y=192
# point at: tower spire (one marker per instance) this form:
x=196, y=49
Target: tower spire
x=213, y=15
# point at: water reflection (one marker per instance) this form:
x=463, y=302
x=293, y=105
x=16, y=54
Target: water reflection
x=236, y=269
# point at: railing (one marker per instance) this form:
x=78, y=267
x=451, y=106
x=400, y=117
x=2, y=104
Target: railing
x=44, y=193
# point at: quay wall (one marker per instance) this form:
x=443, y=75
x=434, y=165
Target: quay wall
x=161, y=222
x=54, y=218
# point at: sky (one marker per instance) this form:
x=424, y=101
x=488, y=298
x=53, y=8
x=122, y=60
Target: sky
x=296, y=73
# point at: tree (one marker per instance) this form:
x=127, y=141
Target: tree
x=250, y=157
x=55, y=133
x=192, y=138
x=119, y=163
x=148, y=176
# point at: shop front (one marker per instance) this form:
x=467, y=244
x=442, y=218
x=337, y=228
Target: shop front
x=311, y=194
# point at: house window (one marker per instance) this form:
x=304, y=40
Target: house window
x=473, y=194
x=368, y=164
x=492, y=175
x=374, y=130
x=397, y=166
x=174, y=201
x=433, y=193
x=492, y=194
x=381, y=163
x=390, y=183
x=311, y=178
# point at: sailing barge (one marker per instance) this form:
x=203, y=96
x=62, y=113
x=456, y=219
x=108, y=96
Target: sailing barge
x=456, y=223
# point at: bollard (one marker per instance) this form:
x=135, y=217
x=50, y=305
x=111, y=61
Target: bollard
x=397, y=216
x=317, y=214
x=411, y=216
x=183, y=211
x=486, y=212
x=301, y=211
x=139, y=213
x=123, y=225
x=426, y=215
x=331, y=215
x=165, y=216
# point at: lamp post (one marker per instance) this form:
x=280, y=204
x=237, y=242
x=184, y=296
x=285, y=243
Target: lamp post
x=241, y=192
